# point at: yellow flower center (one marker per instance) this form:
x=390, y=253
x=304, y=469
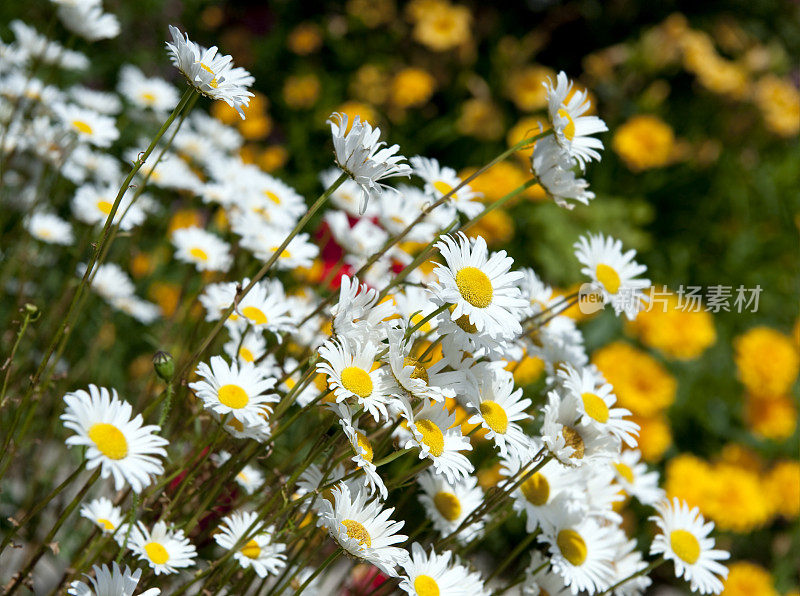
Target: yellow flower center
x=425, y=585
x=82, y=127
x=569, y=129
x=357, y=381
x=109, y=440
x=213, y=84
x=251, y=550
x=595, y=407
x=431, y=436
x=199, y=254
x=495, y=416
x=624, y=471
x=574, y=440
x=426, y=326
x=608, y=277
x=475, y=286
x=463, y=322
x=246, y=355
x=104, y=206
x=448, y=505
x=147, y=97
x=419, y=372
x=364, y=445
x=685, y=545
x=256, y=315
x=156, y=553
x=105, y=523
x=272, y=197
x=572, y=546
x=536, y=489
x=357, y=531
x=444, y=188
x=233, y=396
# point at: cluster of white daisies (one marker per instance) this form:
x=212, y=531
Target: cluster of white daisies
x=404, y=352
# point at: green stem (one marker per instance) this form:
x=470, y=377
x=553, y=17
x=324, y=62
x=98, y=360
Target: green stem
x=331, y=558
x=644, y=571
x=30, y=312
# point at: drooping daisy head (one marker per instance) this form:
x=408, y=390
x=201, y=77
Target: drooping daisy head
x=103, y=513
x=114, y=581
x=555, y=170
x=613, y=272
x=116, y=442
x=685, y=540
x=259, y=551
x=361, y=155
x=164, y=549
x=482, y=287
x=364, y=529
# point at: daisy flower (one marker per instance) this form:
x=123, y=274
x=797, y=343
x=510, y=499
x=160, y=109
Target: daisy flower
x=438, y=437
x=633, y=477
x=613, y=272
x=555, y=171
x=313, y=478
x=440, y=181
x=357, y=314
x=249, y=478
x=49, y=228
x=259, y=552
x=210, y=73
x=581, y=551
x=573, y=129
x=109, y=281
x=115, y=441
x=93, y=204
x=595, y=403
x=573, y=443
x=628, y=562
x=87, y=125
x=430, y=574
x=685, y=541
x=409, y=377
x=481, y=286
x=264, y=306
x=499, y=407
x=204, y=250
x=264, y=240
x=239, y=390
x=115, y=581
x=246, y=346
x=540, y=579
x=104, y=102
x=146, y=93
x=363, y=157
x=349, y=366
x=165, y=549
x=447, y=504
x=362, y=447
x=363, y=529
x=104, y=514
x=89, y=21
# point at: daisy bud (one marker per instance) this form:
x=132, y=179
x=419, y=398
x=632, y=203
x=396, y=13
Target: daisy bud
x=164, y=365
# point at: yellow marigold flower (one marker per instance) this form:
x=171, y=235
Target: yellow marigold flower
x=655, y=436
x=676, y=333
x=771, y=417
x=443, y=26
x=527, y=370
x=689, y=478
x=724, y=77
x=372, y=13
x=256, y=108
x=185, y=218
x=412, y=87
x=166, y=295
x=734, y=454
x=301, y=91
x=370, y=83
x=305, y=39
x=497, y=181
x=779, y=102
x=525, y=87
x=417, y=9
x=738, y=502
x=641, y=383
x=141, y=264
x=273, y=158
x=489, y=477
x=644, y=142
x=356, y=108
x=783, y=487
x=257, y=128
x=767, y=361
x=748, y=579
x=481, y=119
x=496, y=227
x=525, y=128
